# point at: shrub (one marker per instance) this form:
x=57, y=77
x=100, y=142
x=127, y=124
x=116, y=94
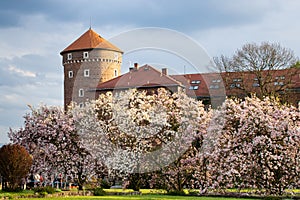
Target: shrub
x=176, y=193
x=58, y=190
x=15, y=163
x=105, y=184
x=99, y=192
x=272, y=198
x=43, y=190
x=194, y=193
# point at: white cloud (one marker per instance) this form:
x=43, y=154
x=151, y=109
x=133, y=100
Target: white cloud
x=21, y=72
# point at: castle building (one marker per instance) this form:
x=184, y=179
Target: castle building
x=146, y=78
x=88, y=61
x=92, y=66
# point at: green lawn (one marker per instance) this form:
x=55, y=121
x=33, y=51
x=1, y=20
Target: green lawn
x=147, y=194
x=140, y=197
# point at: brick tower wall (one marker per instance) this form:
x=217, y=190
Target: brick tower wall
x=103, y=65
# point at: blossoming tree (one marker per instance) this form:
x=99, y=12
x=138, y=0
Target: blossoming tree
x=134, y=132
x=49, y=135
x=257, y=145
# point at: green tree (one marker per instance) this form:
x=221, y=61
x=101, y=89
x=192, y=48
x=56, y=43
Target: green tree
x=15, y=163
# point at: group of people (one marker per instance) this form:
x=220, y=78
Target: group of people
x=36, y=180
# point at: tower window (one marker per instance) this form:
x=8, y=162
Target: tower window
x=85, y=54
x=86, y=73
x=81, y=93
x=70, y=74
x=116, y=73
x=69, y=56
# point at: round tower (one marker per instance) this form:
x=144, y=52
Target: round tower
x=88, y=61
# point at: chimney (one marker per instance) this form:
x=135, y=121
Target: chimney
x=136, y=66
x=164, y=71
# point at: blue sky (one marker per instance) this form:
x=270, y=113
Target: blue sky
x=33, y=32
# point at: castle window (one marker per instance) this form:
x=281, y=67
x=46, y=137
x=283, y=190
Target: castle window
x=214, y=86
x=116, y=73
x=279, y=83
x=81, y=93
x=195, y=82
x=86, y=73
x=195, y=87
x=237, y=80
x=216, y=80
x=85, y=54
x=69, y=56
x=70, y=74
x=81, y=105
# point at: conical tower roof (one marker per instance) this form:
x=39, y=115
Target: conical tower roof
x=90, y=40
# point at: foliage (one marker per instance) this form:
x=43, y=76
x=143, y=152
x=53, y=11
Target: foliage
x=99, y=191
x=105, y=184
x=14, y=195
x=190, y=171
x=296, y=65
x=49, y=135
x=176, y=193
x=190, y=168
x=137, y=180
x=47, y=190
x=135, y=132
x=143, y=197
x=15, y=163
x=168, y=141
x=256, y=146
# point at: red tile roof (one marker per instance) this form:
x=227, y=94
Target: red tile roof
x=186, y=80
x=90, y=40
x=145, y=76
x=218, y=84
x=198, y=85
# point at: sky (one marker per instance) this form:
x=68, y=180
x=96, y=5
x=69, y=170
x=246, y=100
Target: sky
x=34, y=32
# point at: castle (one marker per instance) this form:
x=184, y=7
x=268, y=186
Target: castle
x=92, y=66
x=89, y=60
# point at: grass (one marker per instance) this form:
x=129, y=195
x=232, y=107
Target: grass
x=147, y=194
x=143, y=191
x=140, y=197
x=23, y=193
